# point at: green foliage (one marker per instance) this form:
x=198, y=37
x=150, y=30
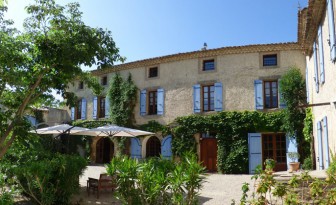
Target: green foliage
x=154, y=126
x=307, y=164
x=308, y=125
x=46, y=56
x=157, y=181
x=232, y=129
x=44, y=175
x=300, y=189
x=7, y=190
x=122, y=96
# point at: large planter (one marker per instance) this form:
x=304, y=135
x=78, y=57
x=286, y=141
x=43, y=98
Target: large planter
x=294, y=166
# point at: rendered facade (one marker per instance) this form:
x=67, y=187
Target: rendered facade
x=317, y=29
x=201, y=82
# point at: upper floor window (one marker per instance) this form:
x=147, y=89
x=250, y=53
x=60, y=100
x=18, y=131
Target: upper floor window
x=271, y=94
x=152, y=102
x=270, y=60
x=102, y=101
x=79, y=110
x=208, y=99
x=153, y=72
x=81, y=85
x=208, y=65
x=103, y=80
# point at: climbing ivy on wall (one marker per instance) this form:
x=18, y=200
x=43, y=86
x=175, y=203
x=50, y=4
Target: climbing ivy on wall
x=122, y=95
x=232, y=130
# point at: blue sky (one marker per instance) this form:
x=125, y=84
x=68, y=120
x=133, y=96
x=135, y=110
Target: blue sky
x=151, y=28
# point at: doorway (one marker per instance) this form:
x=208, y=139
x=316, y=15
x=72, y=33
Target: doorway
x=153, y=147
x=104, y=150
x=209, y=154
x=274, y=147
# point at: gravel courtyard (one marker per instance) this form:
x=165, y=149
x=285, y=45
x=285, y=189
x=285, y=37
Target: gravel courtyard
x=217, y=190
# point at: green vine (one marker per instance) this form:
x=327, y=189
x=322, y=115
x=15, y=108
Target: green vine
x=122, y=95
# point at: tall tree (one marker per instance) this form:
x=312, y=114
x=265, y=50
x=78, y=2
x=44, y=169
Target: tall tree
x=47, y=55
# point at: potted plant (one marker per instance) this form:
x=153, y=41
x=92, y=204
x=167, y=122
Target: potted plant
x=294, y=164
x=269, y=165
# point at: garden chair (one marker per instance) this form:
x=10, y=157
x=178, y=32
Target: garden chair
x=105, y=182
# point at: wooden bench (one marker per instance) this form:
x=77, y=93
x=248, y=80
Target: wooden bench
x=105, y=182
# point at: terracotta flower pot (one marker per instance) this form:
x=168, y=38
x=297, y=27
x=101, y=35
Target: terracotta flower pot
x=294, y=166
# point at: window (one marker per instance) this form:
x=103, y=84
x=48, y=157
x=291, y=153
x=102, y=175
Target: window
x=101, y=113
x=208, y=100
x=79, y=109
x=103, y=80
x=81, y=85
x=208, y=65
x=153, y=72
x=271, y=94
x=270, y=60
x=152, y=102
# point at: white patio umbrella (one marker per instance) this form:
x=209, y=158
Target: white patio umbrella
x=114, y=131
x=59, y=129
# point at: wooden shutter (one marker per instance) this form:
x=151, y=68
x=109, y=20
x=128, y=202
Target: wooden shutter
x=218, y=96
x=331, y=24
x=72, y=113
x=325, y=142
x=197, y=98
x=160, y=101
x=291, y=146
x=166, y=150
x=320, y=146
x=95, y=108
x=107, y=107
x=143, y=99
x=255, y=150
x=282, y=103
x=316, y=68
x=321, y=55
x=83, y=116
x=135, y=148
x=258, y=95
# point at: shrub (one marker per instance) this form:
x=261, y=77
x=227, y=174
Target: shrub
x=307, y=164
x=52, y=180
x=157, y=180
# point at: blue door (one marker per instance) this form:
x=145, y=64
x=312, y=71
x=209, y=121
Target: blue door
x=255, y=155
x=135, y=148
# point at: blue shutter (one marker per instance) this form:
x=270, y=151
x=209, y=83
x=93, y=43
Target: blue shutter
x=218, y=96
x=197, y=98
x=307, y=85
x=316, y=68
x=107, y=107
x=291, y=146
x=325, y=142
x=282, y=103
x=72, y=113
x=258, y=94
x=321, y=55
x=135, y=148
x=320, y=147
x=95, y=107
x=166, y=150
x=160, y=101
x=254, y=146
x=83, y=117
x=143, y=99
x=330, y=10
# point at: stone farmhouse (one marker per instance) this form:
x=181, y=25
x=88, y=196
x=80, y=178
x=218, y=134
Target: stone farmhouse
x=317, y=38
x=201, y=82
